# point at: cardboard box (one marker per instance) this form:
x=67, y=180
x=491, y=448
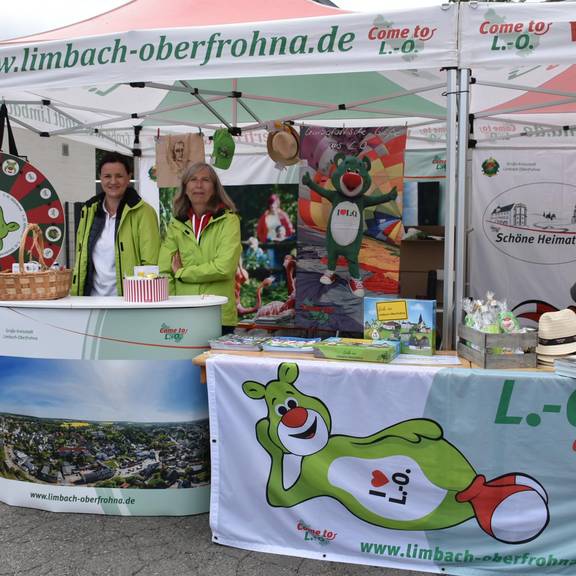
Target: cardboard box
x=420, y=259
x=412, y=322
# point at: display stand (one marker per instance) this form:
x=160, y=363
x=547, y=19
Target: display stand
x=101, y=408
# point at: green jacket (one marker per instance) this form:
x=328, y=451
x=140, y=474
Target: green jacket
x=137, y=240
x=208, y=266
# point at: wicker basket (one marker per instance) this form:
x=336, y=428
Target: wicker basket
x=47, y=284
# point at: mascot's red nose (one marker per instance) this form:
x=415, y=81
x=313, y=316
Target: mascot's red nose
x=295, y=418
x=352, y=180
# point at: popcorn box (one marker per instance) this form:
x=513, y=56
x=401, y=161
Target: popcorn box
x=411, y=322
x=138, y=289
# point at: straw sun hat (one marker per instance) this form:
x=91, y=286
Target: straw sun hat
x=283, y=145
x=557, y=333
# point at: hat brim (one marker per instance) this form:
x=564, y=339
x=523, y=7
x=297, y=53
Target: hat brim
x=558, y=350
x=275, y=154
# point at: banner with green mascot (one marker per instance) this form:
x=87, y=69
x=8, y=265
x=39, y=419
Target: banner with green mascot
x=350, y=222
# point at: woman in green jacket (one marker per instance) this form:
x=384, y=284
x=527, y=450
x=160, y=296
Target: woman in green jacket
x=202, y=246
x=117, y=231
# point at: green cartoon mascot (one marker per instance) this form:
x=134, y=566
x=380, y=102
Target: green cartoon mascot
x=6, y=227
x=404, y=477
x=351, y=181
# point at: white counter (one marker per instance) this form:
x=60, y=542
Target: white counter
x=111, y=371
x=103, y=302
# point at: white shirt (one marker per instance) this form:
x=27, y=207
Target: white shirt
x=104, y=259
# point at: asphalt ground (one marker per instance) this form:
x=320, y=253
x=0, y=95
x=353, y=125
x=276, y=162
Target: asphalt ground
x=38, y=543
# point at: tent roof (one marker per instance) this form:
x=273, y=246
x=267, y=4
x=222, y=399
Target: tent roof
x=145, y=14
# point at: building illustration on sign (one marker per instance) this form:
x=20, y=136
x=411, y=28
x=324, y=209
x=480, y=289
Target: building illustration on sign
x=533, y=222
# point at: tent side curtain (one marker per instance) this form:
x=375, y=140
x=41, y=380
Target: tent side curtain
x=503, y=34
x=392, y=40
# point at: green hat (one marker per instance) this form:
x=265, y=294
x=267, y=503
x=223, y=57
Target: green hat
x=223, y=150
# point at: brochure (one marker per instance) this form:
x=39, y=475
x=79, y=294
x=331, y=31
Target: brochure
x=238, y=342
x=566, y=366
x=290, y=344
x=412, y=322
x=357, y=349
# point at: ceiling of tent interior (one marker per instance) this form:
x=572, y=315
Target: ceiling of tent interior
x=367, y=96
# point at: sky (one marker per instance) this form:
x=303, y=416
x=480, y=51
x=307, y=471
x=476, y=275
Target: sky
x=35, y=16
x=102, y=390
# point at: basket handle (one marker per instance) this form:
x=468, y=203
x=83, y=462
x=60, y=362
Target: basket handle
x=37, y=243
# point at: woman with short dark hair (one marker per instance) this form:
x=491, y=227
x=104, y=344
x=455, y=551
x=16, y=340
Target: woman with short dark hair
x=117, y=231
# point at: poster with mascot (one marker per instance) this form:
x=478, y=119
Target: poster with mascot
x=424, y=468
x=349, y=222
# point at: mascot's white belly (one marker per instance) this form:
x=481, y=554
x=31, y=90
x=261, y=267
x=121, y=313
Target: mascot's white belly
x=345, y=223
x=393, y=487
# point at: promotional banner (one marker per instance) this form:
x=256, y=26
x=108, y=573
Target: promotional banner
x=511, y=34
x=524, y=229
x=441, y=470
x=102, y=411
x=126, y=437
x=349, y=222
x=353, y=42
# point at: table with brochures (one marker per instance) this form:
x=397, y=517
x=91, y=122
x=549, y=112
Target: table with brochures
x=423, y=467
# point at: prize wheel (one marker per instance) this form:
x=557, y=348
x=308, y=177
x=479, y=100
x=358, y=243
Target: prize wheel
x=26, y=196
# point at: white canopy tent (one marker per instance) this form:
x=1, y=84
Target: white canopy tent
x=120, y=77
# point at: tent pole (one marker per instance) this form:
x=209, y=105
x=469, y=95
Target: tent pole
x=234, y=103
x=461, y=220
x=450, y=209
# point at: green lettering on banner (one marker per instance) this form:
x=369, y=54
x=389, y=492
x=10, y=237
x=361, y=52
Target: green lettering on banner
x=195, y=45
x=88, y=56
x=257, y=42
x=327, y=41
x=211, y=41
x=119, y=48
x=51, y=59
x=24, y=66
x=101, y=55
x=164, y=49
x=221, y=44
x=571, y=409
x=146, y=52
x=298, y=44
x=346, y=38
x=239, y=47
x=181, y=50
x=278, y=40
x=503, y=405
x=6, y=64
